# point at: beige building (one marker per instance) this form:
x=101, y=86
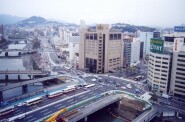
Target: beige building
x=101, y=49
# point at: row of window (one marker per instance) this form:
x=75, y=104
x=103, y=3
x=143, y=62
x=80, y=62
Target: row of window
x=180, y=78
x=114, y=36
x=91, y=36
x=181, y=55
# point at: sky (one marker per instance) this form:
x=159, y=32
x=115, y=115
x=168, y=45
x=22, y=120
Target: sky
x=161, y=13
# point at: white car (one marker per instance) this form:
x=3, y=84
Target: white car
x=123, y=87
x=94, y=79
x=20, y=104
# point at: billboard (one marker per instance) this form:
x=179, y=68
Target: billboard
x=156, y=45
x=179, y=29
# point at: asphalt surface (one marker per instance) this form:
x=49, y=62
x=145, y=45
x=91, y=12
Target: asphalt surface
x=111, y=84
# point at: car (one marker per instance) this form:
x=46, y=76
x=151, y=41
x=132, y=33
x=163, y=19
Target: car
x=94, y=79
x=123, y=87
x=20, y=104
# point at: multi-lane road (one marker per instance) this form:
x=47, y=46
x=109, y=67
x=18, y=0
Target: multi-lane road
x=49, y=106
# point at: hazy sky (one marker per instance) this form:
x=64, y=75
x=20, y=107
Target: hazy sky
x=140, y=12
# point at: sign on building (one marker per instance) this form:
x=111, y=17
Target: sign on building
x=179, y=29
x=156, y=45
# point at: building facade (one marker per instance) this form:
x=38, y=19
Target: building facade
x=101, y=49
x=159, y=70
x=131, y=50
x=177, y=87
x=145, y=37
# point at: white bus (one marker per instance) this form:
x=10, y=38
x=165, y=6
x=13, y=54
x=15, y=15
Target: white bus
x=69, y=89
x=55, y=93
x=90, y=85
x=33, y=101
x=6, y=110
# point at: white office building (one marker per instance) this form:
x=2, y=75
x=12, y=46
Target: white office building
x=145, y=37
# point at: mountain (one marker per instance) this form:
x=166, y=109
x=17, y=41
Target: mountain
x=9, y=19
x=34, y=20
x=131, y=28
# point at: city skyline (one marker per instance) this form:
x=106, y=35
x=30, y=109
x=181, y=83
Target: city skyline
x=137, y=12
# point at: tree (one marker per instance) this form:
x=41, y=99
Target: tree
x=154, y=97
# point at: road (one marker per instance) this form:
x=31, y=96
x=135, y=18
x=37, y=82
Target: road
x=67, y=102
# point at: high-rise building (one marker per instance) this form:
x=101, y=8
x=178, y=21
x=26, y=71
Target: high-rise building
x=101, y=49
x=177, y=86
x=131, y=50
x=145, y=37
x=166, y=70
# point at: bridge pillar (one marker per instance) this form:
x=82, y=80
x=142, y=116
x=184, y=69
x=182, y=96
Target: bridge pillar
x=25, y=89
x=1, y=96
x=6, y=53
x=19, y=53
x=85, y=119
x=19, y=77
x=6, y=77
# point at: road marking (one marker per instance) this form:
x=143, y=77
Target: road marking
x=44, y=110
x=81, y=96
x=61, y=107
x=31, y=120
x=28, y=117
x=70, y=100
x=84, y=98
x=47, y=112
x=58, y=105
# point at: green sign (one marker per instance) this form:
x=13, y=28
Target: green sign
x=156, y=45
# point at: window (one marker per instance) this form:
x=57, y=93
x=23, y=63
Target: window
x=183, y=87
x=158, y=57
x=157, y=69
x=163, y=78
x=163, y=75
x=157, y=66
x=180, y=73
x=180, y=69
x=164, y=67
x=87, y=36
x=181, y=64
x=165, y=58
x=180, y=82
x=164, y=62
x=91, y=36
x=95, y=36
x=111, y=37
x=119, y=36
x=181, y=55
x=115, y=36
x=180, y=60
x=163, y=70
x=180, y=78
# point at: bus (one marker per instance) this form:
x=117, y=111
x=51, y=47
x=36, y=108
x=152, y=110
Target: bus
x=33, y=101
x=90, y=85
x=55, y=94
x=69, y=89
x=138, y=77
x=6, y=110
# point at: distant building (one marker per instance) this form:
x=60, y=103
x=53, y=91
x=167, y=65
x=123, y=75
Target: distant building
x=101, y=49
x=131, y=50
x=145, y=37
x=156, y=34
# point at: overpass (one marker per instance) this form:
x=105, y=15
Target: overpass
x=29, y=72
x=88, y=106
